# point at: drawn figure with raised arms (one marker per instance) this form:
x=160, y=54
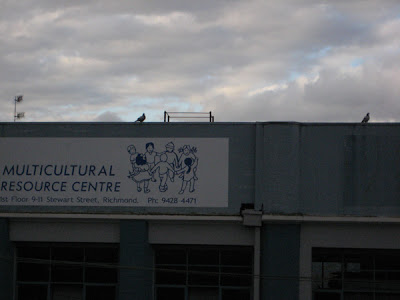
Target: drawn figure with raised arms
x=164, y=168
x=141, y=173
x=188, y=175
x=172, y=159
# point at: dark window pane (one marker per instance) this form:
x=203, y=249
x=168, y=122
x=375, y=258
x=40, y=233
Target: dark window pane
x=33, y=252
x=387, y=272
x=202, y=270
x=203, y=257
x=66, y=273
x=33, y=263
x=387, y=280
x=326, y=270
x=176, y=275
x=100, y=293
x=390, y=261
x=316, y=275
x=32, y=292
x=67, y=292
x=203, y=293
x=164, y=293
x=358, y=296
x=332, y=278
x=235, y=294
x=171, y=256
x=326, y=296
x=358, y=273
x=231, y=276
x=203, y=275
x=101, y=275
x=387, y=296
x=237, y=257
x=98, y=254
x=33, y=272
x=67, y=264
x=68, y=254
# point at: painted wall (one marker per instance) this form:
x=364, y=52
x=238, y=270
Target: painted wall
x=332, y=169
x=135, y=250
x=280, y=261
x=284, y=168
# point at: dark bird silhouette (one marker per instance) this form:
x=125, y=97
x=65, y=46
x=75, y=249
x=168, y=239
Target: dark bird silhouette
x=366, y=118
x=141, y=118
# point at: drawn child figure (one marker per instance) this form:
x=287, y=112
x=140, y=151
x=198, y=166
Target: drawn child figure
x=133, y=154
x=187, y=151
x=151, y=158
x=172, y=159
x=188, y=174
x=163, y=167
x=141, y=173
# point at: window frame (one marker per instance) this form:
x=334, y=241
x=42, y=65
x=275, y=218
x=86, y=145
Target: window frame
x=368, y=286
x=50, y=262
x=186, y=268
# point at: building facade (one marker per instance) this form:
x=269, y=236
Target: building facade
x=199, y=211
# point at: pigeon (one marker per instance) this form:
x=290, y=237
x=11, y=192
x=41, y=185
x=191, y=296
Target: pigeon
x=141, y=118
x=366, y=118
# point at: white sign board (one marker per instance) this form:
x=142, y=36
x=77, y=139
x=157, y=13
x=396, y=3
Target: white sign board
x=152, y=172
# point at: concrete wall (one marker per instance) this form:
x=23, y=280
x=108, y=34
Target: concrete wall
x=280, y=262
x=284, y=168
x=136, y=260
x=331, y=169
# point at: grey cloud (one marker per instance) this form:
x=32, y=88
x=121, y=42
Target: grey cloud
x=75, y=60
x=108, y=117
x=334, y=97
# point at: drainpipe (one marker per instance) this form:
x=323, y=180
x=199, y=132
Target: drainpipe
x=253, y=218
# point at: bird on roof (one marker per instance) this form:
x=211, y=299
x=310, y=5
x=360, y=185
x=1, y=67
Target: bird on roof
x=366, y=118
x=141, y=118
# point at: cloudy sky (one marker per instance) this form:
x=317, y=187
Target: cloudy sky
x=261, y=60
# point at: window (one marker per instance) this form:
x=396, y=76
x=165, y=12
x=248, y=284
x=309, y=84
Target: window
x=209, y=273
x=65, y=271
x=355, y=274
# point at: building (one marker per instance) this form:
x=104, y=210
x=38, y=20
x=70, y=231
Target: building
x=199, y=211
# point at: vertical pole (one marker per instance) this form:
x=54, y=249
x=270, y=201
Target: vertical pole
x=165, y=113
x=257, y=262
x=258, y=204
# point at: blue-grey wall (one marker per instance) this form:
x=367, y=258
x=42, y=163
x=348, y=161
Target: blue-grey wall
x=136, y=261
x=280, y=262
x=6, y=262
x=286, y=168
x=332, y=169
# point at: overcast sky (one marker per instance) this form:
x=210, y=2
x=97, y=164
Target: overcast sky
x=286, y=60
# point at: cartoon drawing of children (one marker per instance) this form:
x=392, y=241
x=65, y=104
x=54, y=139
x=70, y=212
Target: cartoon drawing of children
x=151, y=157
x=188, y=174
x=141, y=173
x=133, y=154
x=164, y=167
x=172, y=159
x=187, y=152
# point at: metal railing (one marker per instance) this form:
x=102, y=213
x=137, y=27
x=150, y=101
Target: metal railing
x=168, y=116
